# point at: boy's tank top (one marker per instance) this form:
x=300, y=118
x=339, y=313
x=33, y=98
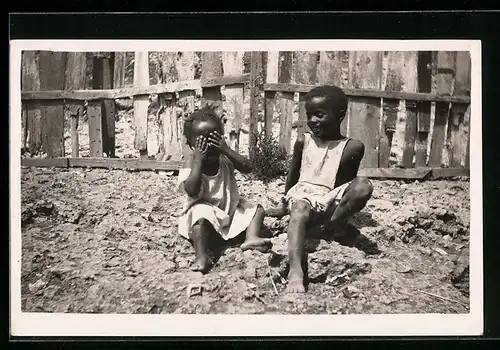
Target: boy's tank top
x=321, y=160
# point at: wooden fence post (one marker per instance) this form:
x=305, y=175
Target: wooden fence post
x=184, y=65
x=444, y=65
x=75, y=80
x=103, y=79
x=285, y=71
x=233, y=65
x=211, y=68
x=52, y=71
x=305, y=71
x=119, y=70
x=365, y=72
x=424, y=108
x=30, y=81
x=256, y=86
x=141, y=103
x=272, y=65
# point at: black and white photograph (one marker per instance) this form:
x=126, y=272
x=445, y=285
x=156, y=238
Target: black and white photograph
x=227, y=187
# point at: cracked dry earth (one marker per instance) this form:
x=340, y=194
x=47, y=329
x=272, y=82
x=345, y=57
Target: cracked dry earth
x=105, y=241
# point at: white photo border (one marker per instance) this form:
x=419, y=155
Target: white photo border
x=64, y=325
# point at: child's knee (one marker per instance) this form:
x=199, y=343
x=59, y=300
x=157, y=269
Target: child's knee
x=362, y=188
x=201, y=224
x=260, y=210
x=300, y=210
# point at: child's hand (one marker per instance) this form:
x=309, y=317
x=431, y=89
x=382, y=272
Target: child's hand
x=278, y=212
x=200, y=148
x=217, y=141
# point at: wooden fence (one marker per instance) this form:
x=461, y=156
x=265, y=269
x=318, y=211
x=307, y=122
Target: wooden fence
x=410, y=109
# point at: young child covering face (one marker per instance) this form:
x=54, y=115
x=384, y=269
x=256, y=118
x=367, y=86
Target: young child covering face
x=213, y=204
x=322, y=185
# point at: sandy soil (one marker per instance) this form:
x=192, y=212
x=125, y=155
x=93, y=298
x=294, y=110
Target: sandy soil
x=105, y=241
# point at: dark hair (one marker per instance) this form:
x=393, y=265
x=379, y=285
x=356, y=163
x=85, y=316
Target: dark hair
x=332, y=94
x=203, y=114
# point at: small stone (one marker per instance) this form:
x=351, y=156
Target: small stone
x=350, y=292
x=37, y=286
x=440, y=251
x=447, y=240
x=251, y=286
x=403, y=268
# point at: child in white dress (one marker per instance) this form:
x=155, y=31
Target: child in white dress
x=322, y=186
x=213, y=203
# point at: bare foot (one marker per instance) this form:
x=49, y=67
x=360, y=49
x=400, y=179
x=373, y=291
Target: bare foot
x=201, y=264
x=295, y=283
x=262, y=245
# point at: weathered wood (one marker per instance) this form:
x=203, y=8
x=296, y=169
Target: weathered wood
x=286, y=99
x=211, y=69
x=119, y=70
x=410, y=134
x=124, y=163
x=270, y=97
x=424, y=108
x=443, y=173
x=75, y=80
x=364, y=116
x=444, y=63
x=458, y=124
x=95, y=128
x=333, y=68
x=84, y=95
x=233, y=65
x=52, y=67
x=171, y=146
x=301, y=124
x=270, y=102
x=389, y=115
x=272, y=67
x=141, y=103
x=305, y=67
x=103, y=79
x=396, y=173
x=30, y=80
x=372, y=93
x=45, y=162
x=256, y=83
x=231, y=79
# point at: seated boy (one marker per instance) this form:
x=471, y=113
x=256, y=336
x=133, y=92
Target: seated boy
x=322, y=185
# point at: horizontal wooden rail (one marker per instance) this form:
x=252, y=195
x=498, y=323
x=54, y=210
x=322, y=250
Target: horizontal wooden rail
x=83, y=95
x=134, y=163
x=394, y=95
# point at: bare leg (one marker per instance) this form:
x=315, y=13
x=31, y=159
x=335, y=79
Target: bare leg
x=199, y=235
x=299, y=215
x=354, y=199
x=252, y=240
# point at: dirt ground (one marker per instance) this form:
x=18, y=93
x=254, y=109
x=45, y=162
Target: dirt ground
x=105, y=241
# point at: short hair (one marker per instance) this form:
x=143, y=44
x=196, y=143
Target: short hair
x=202, y=114
x=332, y=93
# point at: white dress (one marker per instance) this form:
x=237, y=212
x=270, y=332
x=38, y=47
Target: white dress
x=219, y=202
x=318, y=173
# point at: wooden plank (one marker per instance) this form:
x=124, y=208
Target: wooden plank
x=364, y=113
x=211, y=69
x=84, y=95
x=95, y=128
x=286, y=99
x=305, y=67
x=443, y=173
x=52, y=67
x=75, y=79
x=389, y=117
x=444, y=63
x=141, y=103
x=410, y=134
x=256, y=83
x=458, y=124
x=125, y=163
x=233, y=65
x=301, y=124
x=333, y=68
x=358, y=92
x=172, y=147
x=272, y=66
x=227, y=80
x=396, y=173
x=424, y=108
x=103, y=79
x=119, y=70
x=45, y=162
x=30, y=80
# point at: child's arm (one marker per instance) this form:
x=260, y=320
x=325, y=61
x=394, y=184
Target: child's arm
x=349, y=164
x=241, y=163
x=192, y=184
x=292, y=178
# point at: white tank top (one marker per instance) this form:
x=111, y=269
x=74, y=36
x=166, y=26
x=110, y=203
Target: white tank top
x=321, y=160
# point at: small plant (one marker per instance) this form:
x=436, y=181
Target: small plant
x=268, y=158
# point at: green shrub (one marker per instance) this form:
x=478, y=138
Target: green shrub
x=269, y=159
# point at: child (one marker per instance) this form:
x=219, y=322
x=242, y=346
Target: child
x=322, y=185
x=213, y=204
